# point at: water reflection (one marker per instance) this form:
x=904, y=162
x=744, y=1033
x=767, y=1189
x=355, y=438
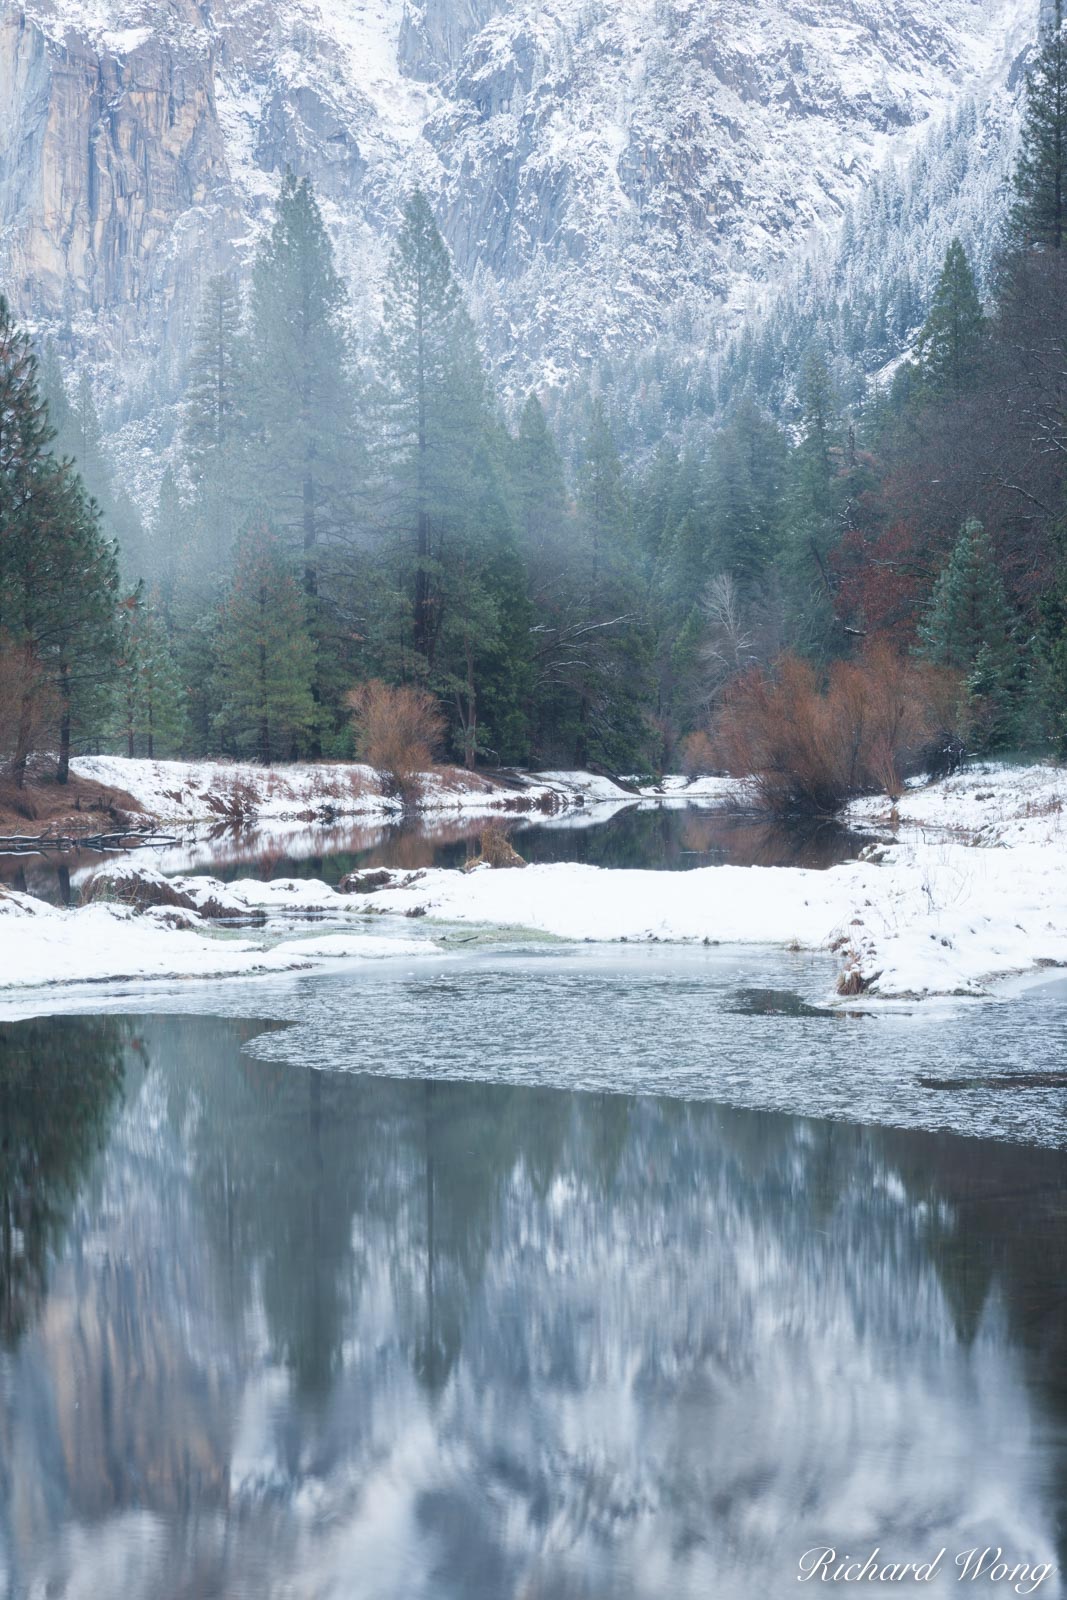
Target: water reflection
x=672, y=838
x=321, y=1334
x=59, y=1083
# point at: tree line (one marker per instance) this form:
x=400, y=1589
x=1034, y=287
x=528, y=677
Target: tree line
x=338, y=514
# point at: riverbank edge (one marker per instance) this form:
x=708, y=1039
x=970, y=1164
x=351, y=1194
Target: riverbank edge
x=960, y=893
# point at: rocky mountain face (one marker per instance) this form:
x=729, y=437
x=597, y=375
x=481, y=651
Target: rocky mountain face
x=600, y=167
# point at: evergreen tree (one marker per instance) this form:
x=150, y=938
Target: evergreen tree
x=216, y=382
x=613, y=685
x=1040, y=214
x=1053, y=645
x=79, y=437
x=301, y=400
x=216, y=451
x=605, y=506
x=151, y=710
x=486, y=640
x=538, y=487
x=949, y=346
x=435, y=410
x=969, y=625
x=58, y=574
x=265, y=653
x=812, y=511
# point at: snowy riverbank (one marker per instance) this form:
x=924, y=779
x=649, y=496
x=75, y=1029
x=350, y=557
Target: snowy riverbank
x=183, y=792
x=967, y=888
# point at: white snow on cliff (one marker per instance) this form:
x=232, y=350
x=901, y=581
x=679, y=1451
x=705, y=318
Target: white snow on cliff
x=598, y=168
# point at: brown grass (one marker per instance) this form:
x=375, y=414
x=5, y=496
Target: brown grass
x=495, y=850
x=46, y=807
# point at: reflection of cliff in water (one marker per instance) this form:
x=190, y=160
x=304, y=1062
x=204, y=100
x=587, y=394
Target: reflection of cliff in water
x=490, y=1341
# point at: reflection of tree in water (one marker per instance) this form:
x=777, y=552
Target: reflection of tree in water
x=60, y=1080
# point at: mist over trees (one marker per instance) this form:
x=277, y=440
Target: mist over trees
x=562, y=587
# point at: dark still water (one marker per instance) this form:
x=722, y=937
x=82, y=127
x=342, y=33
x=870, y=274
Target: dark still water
x=670, y=838
x=269, y=1331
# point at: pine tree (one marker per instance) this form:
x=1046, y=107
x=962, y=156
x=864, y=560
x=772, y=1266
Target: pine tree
x=813, y=506
x=216, y=382
x=216, y=451
x=265, y=653
x=151, y=699
x=970, y=626
x=435, y=408
x=613, y=683
x=79, y=437
x=605, y=507
x=486, y=637
x=300, y=398
x=58, y=574
x=1040, y=214
x=538, y=485
x=949, y=346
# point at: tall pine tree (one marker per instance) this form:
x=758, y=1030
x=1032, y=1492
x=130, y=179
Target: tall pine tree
x=970, y=626
x=301, y=400
x=150, y=708
x=58, y=573
x=435, y=409
x=1040, y=214
x=949, y=346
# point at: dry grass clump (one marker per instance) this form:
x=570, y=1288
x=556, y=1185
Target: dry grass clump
x=808, y=747
x=495, y=850
x=398, y=730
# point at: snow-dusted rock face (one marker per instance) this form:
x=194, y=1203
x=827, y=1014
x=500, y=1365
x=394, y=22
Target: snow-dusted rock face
x=597, y=165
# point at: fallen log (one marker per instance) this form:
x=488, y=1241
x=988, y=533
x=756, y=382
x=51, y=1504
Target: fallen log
x=18, y=844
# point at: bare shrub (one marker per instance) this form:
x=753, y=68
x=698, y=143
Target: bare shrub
x=29, y=708
x=807, y=747
x=698, y=758
x=398, y=730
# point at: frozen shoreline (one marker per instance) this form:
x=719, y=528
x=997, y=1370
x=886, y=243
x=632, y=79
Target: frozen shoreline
x=966, y=891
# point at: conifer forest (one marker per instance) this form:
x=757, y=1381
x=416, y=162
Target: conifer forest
x=593, y=576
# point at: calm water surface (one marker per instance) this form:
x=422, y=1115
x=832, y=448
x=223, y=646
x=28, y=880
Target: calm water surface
x=672, y=837
x=297, y=1302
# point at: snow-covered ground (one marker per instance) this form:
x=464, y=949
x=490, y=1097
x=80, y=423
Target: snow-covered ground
x=179, y=792
x=967, y=888
x=41, y=944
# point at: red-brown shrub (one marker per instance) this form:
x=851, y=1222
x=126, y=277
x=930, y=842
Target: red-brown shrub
x=807, y=747
x=697, y=756
x=398, y=730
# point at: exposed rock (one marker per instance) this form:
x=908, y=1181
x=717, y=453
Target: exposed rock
x=366, y=882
